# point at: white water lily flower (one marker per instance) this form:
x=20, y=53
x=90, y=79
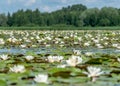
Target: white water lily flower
x=32, y=38
x=2, y=41
x=29, y=58
x=4, y=57
x=66, y=37
x=28, y=40
x=99, y=46
x=61, y=66
x=34, y=46
x=118, y=47
x=89, y=53
x=86, y=44
x=80, y=38
x=55, y=58
x=114, y=45
x=106, y=43
x=96, y=40
x=41, y=78
x=118, y=59
x=23, y=45
x=62, y=42
x=37, y=37
x=93, y=72
x=76, y=42
x=17, y=69
x=48, y=38
x=61, y=45
x=12, y=39
x=47, y=45
x=74, y=60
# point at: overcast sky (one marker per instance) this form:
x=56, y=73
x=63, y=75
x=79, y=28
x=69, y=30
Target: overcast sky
x=51, y=5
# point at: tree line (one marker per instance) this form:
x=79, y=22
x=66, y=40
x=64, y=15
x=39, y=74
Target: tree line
x=75, y=15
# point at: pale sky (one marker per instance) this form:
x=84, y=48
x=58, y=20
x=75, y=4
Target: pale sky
x=52, y=5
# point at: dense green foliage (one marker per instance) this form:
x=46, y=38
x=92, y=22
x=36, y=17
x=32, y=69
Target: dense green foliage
x=75, y=15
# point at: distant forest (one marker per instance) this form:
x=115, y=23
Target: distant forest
x=75, y=15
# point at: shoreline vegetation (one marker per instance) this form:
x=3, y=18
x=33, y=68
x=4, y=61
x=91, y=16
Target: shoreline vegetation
x=74, y=16
x=60, y=28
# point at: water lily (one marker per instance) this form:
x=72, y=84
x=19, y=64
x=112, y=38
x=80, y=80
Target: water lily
x=29, y=58
x=12, y=40
x=74, y=60
x=87, y=44
x=99, y=46
x=118, y=59
x=96, y=40
x=23, y=46
x=89, y=53
x=93, y=72
x=17, y=69
x=114, y=45
x=61, y=66
x=41, y=78
x=2, y=41
x=4, y=57
x=54, y=58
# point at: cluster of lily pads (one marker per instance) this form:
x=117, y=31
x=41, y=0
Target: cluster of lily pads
x=70, y=68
